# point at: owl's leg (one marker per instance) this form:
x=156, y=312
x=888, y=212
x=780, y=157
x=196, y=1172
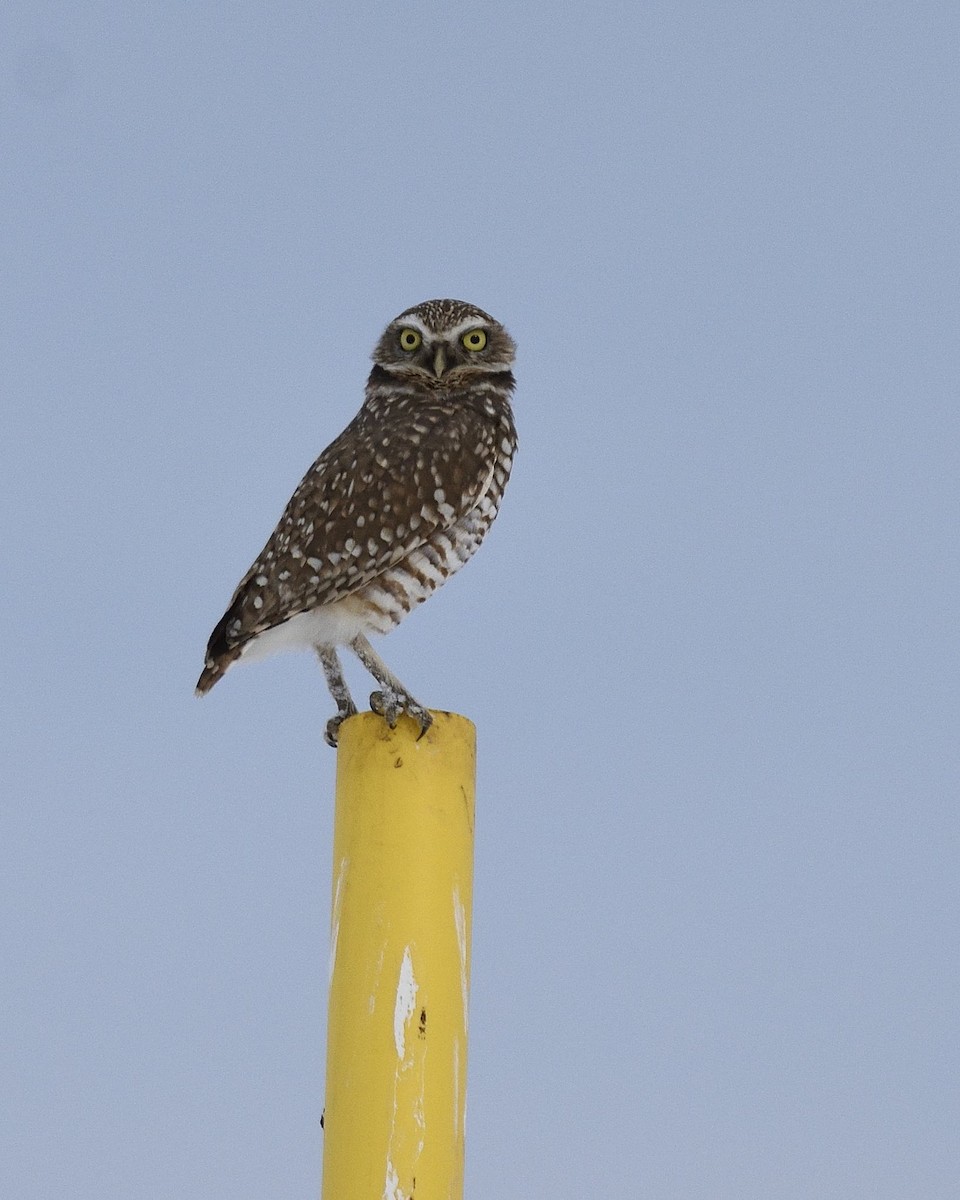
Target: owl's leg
x=338, y=690
x=394, y=698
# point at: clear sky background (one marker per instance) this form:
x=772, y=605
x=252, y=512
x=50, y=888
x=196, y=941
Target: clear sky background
x=710, y=645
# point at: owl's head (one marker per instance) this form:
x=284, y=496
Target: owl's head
x=444, y=342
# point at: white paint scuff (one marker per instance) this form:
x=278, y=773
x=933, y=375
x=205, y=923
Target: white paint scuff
x=335, y=918
x=391, y=1185
x=405, y=1004
x=460, y=921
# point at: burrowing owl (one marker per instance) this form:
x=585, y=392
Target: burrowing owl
x=387, y=513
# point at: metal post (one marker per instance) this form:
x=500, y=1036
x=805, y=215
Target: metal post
x=400, y=960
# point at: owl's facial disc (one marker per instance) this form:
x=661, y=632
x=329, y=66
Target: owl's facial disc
x=444, y=343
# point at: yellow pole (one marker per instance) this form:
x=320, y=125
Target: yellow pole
x=399, y=960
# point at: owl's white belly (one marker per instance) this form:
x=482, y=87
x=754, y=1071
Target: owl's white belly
x=334, y=624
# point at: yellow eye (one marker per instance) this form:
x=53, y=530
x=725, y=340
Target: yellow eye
x=410, y=340
x=474, y=340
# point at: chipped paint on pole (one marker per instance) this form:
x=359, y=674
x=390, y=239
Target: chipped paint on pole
x=400, y=960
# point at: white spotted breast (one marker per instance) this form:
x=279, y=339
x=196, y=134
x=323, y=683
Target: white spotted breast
x=395, y=593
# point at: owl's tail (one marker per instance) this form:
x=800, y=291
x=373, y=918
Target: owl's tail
x=208, y=677
x=220, y=654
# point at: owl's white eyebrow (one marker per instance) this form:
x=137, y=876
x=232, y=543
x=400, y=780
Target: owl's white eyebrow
x=454, y=331
x=414, y=323
x=470, y=323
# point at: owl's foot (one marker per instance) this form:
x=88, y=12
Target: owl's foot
x=332, y=732
x=390, y=703
x=393, y=698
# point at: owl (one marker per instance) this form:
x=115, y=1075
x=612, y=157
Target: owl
x=389, y=511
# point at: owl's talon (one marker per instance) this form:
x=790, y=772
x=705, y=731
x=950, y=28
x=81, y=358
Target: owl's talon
x=420, y=715
x=388, y=705
x=332, y=732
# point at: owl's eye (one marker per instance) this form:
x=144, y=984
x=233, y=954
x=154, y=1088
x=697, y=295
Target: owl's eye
x=410, y=340
x=474, y=339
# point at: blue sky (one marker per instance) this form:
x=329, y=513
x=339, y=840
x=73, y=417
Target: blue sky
x=710, y=644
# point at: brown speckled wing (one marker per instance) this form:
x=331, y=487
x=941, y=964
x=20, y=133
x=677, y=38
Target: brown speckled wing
x=380, y=490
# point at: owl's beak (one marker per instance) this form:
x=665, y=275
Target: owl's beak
x=439, y=361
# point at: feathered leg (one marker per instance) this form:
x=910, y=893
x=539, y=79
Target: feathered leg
x=394, y=698
x=338, y=690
